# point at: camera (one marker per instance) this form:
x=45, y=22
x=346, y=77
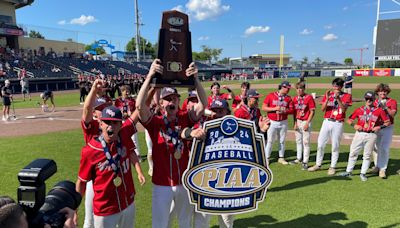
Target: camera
x=41, y=208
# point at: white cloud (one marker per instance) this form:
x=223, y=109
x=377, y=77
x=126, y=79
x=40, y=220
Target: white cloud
x=204, y=38
x=255, y=29
x=206, y=9
x=345, y=8
x=327, y=27
x=83, y=20
x=179, y=8
x=330, y=37
x=260, y=41
x=306, y=32
x=62, y=22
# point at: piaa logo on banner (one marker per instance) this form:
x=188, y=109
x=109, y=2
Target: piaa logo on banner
x=228, y=172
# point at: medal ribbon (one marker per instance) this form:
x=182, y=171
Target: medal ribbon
x=301, y=104
x=367, y=116
x=173, y=135
x=113, y=163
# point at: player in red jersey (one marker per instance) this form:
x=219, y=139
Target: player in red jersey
x=107, y=161
x=334, y=104
x=215, y=93
x=304, y=110
x=241, y=98
x=382, y=147
x=278, y=105
x=170, y=154
x=368, y=119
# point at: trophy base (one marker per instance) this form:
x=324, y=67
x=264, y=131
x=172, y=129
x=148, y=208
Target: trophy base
x=159, y=82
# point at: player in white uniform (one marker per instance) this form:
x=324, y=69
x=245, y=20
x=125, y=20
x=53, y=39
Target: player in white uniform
x=334, y=104
x=369, y=119
x=389, y=105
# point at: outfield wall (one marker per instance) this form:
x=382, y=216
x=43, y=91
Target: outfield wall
x=40, y=85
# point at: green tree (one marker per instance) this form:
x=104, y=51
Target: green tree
x=215, y=53
x=99, y=50
x=348, y=61
x=304, y=60
x=224, y=61
x=35, y=34
x=317, y=61
x=149, y=48
x=200, y=56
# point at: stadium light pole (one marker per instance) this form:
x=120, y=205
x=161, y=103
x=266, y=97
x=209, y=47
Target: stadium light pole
x=137, y=31
x=376, y=31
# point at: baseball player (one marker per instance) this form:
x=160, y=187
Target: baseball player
x=45, y=96
x=367, y=126
x=334, y=104
x=170, y=154
x=127, y=106
x=304, y=110
x=7, y=98
x=24, y=82
x=278, y=105
x=215, y=93
x=106, y=160
x=348, y=83
x=241, y=98
x=389, y=105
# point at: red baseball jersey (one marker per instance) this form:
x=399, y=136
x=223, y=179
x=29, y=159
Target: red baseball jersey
x=125, y=104
x=333, y=111
x=369, y=118
x=390, y=103
x=108, y=199
x=167, y=170
x=247, y=113
x=236, y=101
x=274, y=100
x=184, y=104
x=92, y=129
x=302, y=106
x=211, y=98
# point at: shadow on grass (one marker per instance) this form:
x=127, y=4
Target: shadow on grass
x=305, y=183
x=310, y=220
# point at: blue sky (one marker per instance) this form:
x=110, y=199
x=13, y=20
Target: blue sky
x=314, y=28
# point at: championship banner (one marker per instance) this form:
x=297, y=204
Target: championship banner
x=381, y=72
x=339, y=73
x=228, y=172
x=359, y=73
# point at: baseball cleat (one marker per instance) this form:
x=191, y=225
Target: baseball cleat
x=382, y=174
x=331, y=171
x=294, y=162
x=304, y=166
x=344, y=174
x=363, y=177
x=282, y=161
x=150, y=172
x=314, y=168
x=374, y=170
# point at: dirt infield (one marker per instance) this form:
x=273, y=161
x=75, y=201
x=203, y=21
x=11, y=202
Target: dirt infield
x=32, y=121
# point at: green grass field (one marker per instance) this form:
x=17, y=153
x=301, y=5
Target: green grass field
x=296, y=198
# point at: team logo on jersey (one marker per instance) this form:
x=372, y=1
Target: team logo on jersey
x=228, y=172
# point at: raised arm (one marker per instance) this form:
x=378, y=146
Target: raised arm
x=201, y=94
x=87, y=113
x=143, y=109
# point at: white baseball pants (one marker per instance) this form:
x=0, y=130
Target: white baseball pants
x=361, y=140
x=278, y=128
x=202, y=220
x=163, y=196
x=383, y=147
x=123, y=219
x=334, y=131
x=89, y=195
x=303, y=141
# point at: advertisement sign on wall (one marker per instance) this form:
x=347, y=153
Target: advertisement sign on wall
x=326, y=73
x=381, y=72
x=397, y=72
x=339, y=73
x=359, y=73
x=293, y=74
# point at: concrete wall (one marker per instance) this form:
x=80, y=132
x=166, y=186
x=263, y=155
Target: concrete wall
x=58, y=46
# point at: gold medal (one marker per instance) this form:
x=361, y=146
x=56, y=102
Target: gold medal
x=177, y=155
x=117, y=181
x=335, y=113
x=366, y=125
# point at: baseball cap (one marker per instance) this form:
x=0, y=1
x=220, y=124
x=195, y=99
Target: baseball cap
x=100, y=103
x=369, y=94
x=285, y=84
x=219, y=103
x=252, y=93
x=167, y=91
x=111, y=113
x=192, y=93
x=7, y=81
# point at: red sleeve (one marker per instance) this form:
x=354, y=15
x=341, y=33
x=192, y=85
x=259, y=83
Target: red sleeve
x=86, y=169
x=241, y=114
x=129, y=127
x=235, y=102
x=383, y=115
x=355, y=114
x=324, y=99
x=290, y=106
x=153, y=123
x=348, y=100
x=184, y=105
x=225, y=96
x=392, y=105
x=267, y=100
x=311, y=103
x=118, y=103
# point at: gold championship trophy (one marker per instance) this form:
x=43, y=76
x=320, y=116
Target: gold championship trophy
x=174, y=50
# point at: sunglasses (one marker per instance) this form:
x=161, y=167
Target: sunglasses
x=111, y=122
x=369, y=99
x=169, y=98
